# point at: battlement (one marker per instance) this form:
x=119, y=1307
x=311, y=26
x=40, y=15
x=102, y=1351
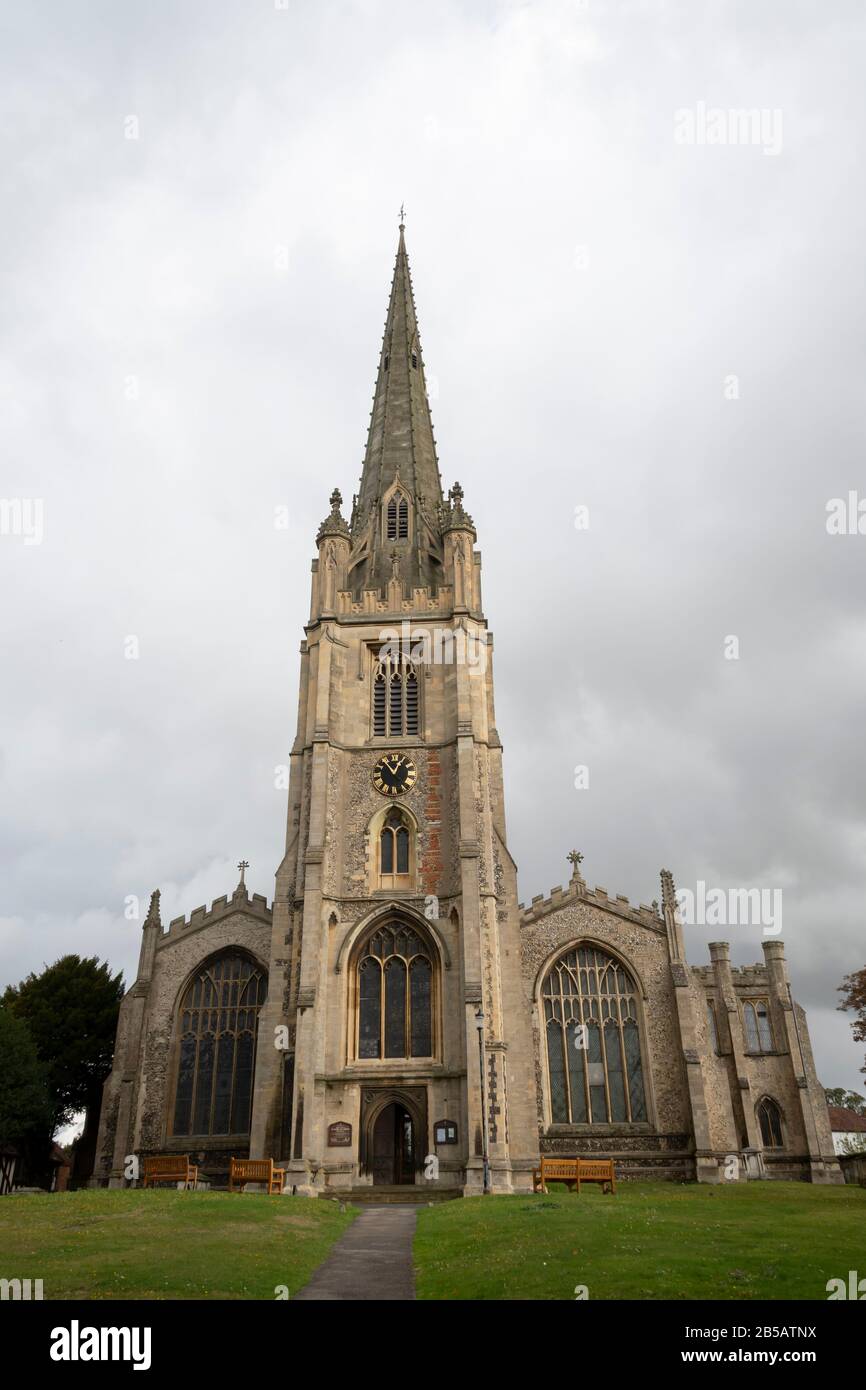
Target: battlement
x=240, y=901
x=577, y=891
x=744, y=976
x=749, y=974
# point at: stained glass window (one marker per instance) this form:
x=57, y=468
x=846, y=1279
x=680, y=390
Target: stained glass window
x=593, y=1040
x=395, y=995
x=369, y=1008
x=218, y=1020
x=759, y=1036
x=770, y=1120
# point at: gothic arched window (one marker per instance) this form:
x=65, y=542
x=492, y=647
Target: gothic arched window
x=759, y=1036
x=397, y=518
x=396, y=846
x=593, y=1041
x=395, y=698
x=395, y=995
x=217, y=1025
x=770, y=1120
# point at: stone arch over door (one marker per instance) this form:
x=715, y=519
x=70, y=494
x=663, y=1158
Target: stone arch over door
x=375, y=1100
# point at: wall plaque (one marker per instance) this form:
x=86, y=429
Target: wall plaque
x=339, y=1135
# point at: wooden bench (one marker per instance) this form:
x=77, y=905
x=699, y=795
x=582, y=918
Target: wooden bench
x=244, y=1170
x=174, y=1168
x=597, y=1170
x=574, y=1171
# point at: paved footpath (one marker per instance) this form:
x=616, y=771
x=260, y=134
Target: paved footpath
x=373, y=1260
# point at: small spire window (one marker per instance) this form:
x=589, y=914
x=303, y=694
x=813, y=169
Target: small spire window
x=415, y=360
x=397, y=518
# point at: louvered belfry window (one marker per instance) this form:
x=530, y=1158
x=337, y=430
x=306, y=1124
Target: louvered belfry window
x=397, y=518
x=593, y=1041
x=218, y=1022
x=395, y=698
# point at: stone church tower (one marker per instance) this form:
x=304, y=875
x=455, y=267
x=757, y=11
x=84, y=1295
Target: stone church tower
x=395, y=920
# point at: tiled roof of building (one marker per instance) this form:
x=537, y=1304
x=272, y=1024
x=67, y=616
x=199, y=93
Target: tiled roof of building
x=844, y=1121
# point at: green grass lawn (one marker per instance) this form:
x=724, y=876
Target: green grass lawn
x=650, y=1241
x=165, y=1244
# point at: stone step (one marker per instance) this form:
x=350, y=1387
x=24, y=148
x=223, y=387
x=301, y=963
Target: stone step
x=410, y=1194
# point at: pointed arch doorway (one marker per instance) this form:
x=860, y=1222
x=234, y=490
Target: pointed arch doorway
x=394, y=1133
x=393, y=1147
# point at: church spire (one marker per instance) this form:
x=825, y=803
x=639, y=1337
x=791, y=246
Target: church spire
x=400, y=464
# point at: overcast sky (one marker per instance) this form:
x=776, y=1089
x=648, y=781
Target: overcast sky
x=669, y=333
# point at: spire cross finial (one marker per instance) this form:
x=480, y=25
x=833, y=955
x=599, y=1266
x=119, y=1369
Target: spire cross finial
x=244, y=864
x=402, y=217
x=575, y=858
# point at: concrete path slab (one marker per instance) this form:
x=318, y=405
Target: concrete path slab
x=373, y=1260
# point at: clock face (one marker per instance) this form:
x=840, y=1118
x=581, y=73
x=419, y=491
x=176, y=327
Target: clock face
x=394, y=774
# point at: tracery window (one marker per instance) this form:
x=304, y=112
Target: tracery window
x=397, y=518
x=395, y=850
x=395, y=995
x=217, y=1024
x=770, y=1120
x=395, y=697
x=759, y=1034
x=593, y=1041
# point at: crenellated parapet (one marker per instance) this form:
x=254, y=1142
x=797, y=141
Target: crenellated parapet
x=742, y=976
x=251, y=906
x=540, y=906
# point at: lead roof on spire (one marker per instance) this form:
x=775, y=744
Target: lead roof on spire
x=400, y=439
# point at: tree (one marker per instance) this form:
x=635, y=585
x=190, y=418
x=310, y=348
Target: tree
x=853, y=991
x=25, y=1105
x=71, y=1012
x=848, y=1100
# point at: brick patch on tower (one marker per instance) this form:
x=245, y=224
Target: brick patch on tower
x=431, y=866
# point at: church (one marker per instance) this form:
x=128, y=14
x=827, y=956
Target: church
x=396, y=1021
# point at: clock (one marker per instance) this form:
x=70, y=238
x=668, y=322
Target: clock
x=394, y=774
